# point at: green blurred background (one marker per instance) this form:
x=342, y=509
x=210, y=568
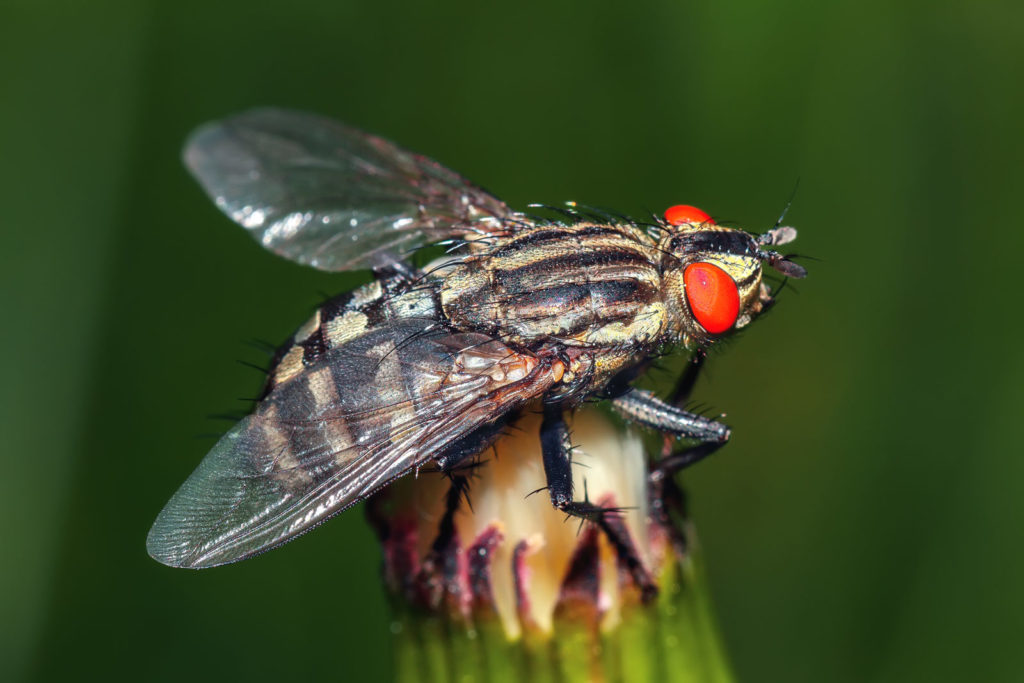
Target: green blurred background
x=865, y=522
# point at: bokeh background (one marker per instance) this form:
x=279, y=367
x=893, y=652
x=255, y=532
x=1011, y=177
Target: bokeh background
x=863, y=525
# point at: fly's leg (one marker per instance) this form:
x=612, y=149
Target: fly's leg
x=673, y=461
x=438, y=578
x=684, y=386
x=646, y=409
x=457, y=492
x=666, y=497
x=556, y=448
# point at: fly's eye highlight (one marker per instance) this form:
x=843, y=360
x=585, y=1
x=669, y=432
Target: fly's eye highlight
x=712, y=295
x=684, y=213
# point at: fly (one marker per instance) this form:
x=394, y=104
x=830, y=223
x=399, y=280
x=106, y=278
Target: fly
x=428, y=366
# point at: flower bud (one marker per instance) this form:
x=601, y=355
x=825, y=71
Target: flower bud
x=482, y=555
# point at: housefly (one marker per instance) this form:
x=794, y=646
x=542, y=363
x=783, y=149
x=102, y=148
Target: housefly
x=426, y=367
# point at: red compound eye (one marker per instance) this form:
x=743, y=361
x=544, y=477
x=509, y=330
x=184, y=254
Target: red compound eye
x=713, y=296
x=684, y=213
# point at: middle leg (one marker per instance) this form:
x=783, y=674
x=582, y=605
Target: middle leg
x=556, y=448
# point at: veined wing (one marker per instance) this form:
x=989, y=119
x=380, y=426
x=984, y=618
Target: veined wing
x=371, y=410
x=326, y=195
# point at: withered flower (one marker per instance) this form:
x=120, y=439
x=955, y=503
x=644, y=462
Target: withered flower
x=490, y=582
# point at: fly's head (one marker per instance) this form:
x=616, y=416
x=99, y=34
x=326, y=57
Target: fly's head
x=714, y=273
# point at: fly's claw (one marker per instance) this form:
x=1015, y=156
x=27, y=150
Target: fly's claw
x=589, y=512
x=586, y=511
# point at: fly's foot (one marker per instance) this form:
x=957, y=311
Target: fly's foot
x=610, y=520
x=586, y=511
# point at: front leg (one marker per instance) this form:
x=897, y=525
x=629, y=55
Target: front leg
x=644, y=408
x=666, y=498
x=648, y=410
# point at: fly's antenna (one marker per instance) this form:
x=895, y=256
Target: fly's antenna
x=777, y=235
x=780, y=234
x=789, y=203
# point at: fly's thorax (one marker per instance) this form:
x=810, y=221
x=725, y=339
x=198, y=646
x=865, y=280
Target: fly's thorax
x=712, y=279
x=584, y=285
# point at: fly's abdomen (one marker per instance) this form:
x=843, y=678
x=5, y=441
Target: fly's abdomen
x=584, y=284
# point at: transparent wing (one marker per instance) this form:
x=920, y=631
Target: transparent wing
x=370, y=411
x=323, y=194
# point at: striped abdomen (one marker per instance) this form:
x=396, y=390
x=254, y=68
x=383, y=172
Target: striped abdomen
x=582, y=285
